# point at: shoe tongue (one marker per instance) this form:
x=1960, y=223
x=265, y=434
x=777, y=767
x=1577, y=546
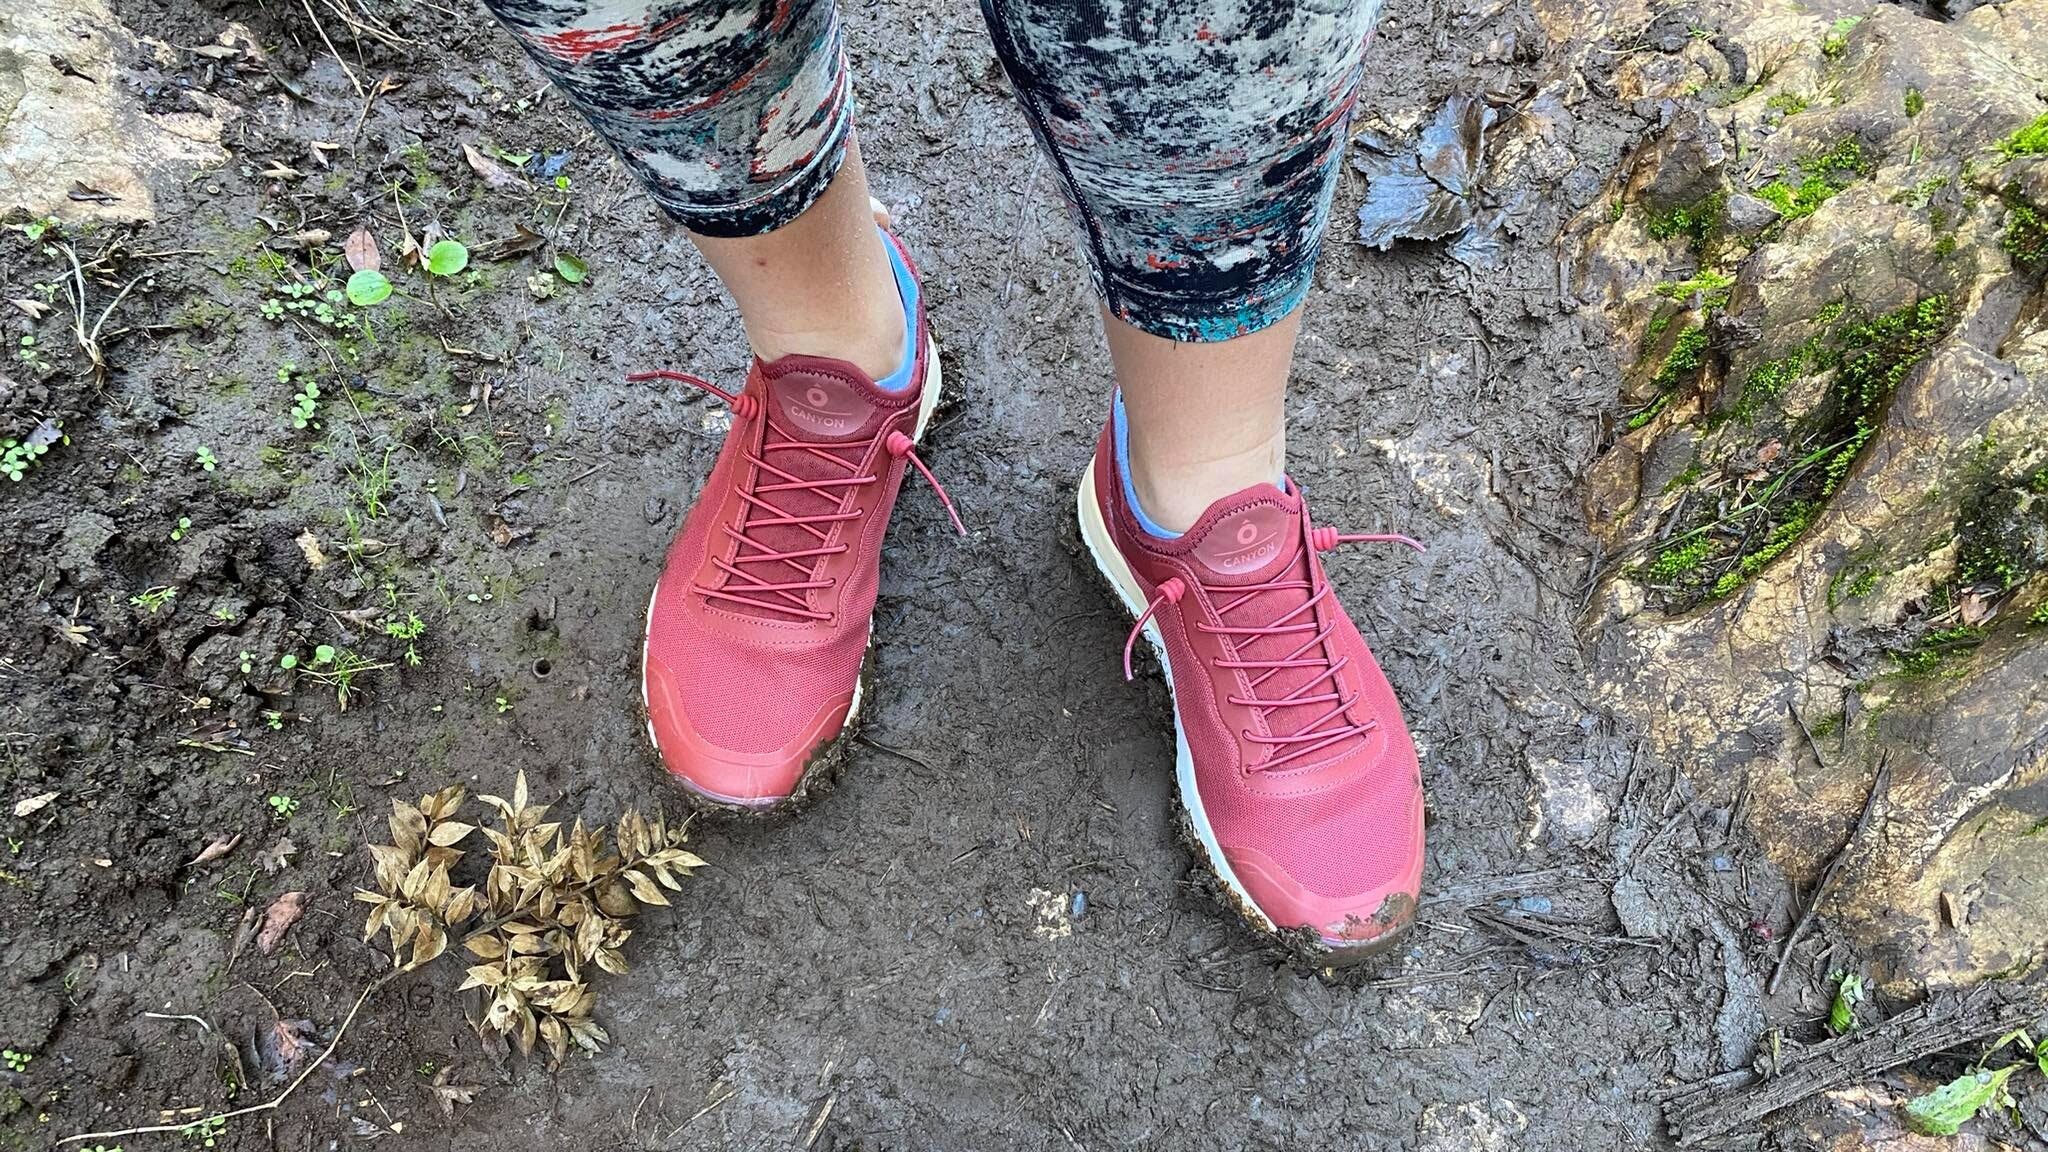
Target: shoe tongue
x=1255, y=537
x=823, y=401
x=1249, y=538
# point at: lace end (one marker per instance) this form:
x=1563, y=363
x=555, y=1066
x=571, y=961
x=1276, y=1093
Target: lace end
x=904, y=448
x=1170, y=592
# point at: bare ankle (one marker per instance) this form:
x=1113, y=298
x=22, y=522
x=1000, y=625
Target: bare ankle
x=1174, y=493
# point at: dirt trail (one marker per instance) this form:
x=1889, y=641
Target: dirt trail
x=901, y=967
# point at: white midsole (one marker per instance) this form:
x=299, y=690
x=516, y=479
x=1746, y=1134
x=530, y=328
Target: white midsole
x=1095, y=534
x=927, y=404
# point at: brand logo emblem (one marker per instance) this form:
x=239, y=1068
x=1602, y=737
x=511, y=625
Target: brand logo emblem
x=814, y=412
x=1247, y=548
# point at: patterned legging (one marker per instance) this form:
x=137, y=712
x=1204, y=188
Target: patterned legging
x=1197, y=141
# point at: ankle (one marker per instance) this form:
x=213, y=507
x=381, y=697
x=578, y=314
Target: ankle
x=871, y=339
x=1175, y=492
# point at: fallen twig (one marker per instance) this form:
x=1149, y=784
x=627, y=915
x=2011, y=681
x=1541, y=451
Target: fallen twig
x=1944, y=1021
x=267, y=1105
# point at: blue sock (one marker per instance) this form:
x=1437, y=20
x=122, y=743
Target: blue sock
x=1121, y=433
x=906, y=287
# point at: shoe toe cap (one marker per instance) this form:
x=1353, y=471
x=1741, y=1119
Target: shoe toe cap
x=756, y=777
x=1348, y=924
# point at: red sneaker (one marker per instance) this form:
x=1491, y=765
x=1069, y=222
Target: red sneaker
x=1296, y=773
x=757, y=633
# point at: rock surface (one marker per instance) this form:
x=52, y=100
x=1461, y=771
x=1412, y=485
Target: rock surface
x=75, y=143
x=1826, y=508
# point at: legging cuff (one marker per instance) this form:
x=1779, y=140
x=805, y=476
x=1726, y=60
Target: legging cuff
x=1204, y=321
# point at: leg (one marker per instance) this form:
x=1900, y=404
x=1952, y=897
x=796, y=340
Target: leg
x=1199, y=147
x=736, y=116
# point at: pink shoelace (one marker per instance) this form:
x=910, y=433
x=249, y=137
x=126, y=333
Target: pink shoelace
x=745, y=585
x=1324, y=688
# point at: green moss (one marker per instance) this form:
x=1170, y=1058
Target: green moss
x=1690, y=475
x=1828, y=725
x=1916, y=102
x=1699, y=223
x=1933, y=651
x=1868, y=357
x=1797, y=203
x=2026, y=232
x=1659, y=324
x=1712, y=286
x=2002, y=533
x=2029, y=141
x=1787, y=104
x=1680, y=560
x=1688, y=352
x=1782, y=536
x=1836, y=43
x=2040, y=617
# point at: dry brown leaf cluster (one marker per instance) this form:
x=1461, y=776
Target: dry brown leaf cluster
x=554, y=903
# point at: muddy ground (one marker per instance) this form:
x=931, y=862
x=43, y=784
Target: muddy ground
x=902, y=967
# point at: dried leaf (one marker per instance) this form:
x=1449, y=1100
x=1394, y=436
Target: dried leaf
x=447, y=1095
x=644, y=890
x=408, y=828
x=494, y=173
x=33, y=805
x=278, y=919
x=221, y=846
x=36, y=309
x=274, y=859
x=449, y=833
x=309, y=545
x=361, y=250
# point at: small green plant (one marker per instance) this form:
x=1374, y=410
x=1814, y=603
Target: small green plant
x=409, y=629
x=17, y=456
x=503, y=705
x=1787, y=104
x=305, y=401
x=367, y=288
x=273, y=720
x=1944, y=1111
x=2029, y=141
x=16, y=1061
x=153, y=600
x=248, y=660
x=1836, y=43
x=1916, y=102
x=206, y=459
x=207, y=1132
x=1848, y=994
x=447, y=258
x=338, y=668
x=282, y=806
x=184, y=526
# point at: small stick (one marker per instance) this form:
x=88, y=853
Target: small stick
x=322, y=30
x=203, y=1025
x=267, y=1105
x=1878, y=787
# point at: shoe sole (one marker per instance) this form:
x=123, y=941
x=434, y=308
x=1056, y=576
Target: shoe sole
x=1195, y=828
x=822, y=770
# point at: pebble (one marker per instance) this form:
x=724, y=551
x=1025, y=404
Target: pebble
x=1078, y=906
x=1537, y=904
x=655, y=510
x=1723, y=864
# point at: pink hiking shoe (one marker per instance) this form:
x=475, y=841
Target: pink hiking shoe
x=1296, y=774
x=758, y=630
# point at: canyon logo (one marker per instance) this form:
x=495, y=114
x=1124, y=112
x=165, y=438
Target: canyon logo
x=1245, y=548
x=814, y=411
